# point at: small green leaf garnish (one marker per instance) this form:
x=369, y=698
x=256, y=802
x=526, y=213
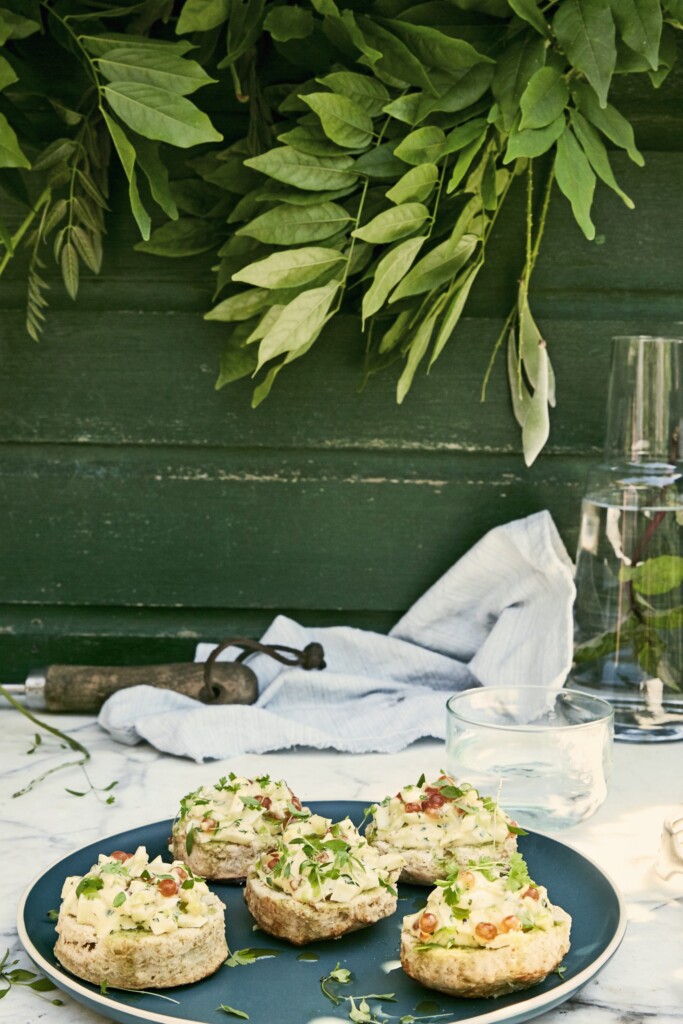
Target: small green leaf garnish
x=242, y=957
x=232, y=1011
x=119, y=899
x=53, y=915
x=89, y=886
x=189, y=839
x=421, y=781
x=560, y=971
x=296, y=813
x=341, y=976
x=517, y=831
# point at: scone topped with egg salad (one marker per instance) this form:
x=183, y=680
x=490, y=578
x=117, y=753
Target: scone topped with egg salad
x=132, y=922
x=220, y=830
x=439, y=824
x=320, y=880
x=486, y=930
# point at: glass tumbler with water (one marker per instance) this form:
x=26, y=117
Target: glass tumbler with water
x=628, y=611
x=546, y=756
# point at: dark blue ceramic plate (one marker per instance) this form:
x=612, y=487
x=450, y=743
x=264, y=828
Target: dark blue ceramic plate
x=286, y=989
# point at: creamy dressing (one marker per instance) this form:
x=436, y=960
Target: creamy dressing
x=411, y=821
x=128, y=895
x=316, y=861
x=246, y=812
x=498, y=896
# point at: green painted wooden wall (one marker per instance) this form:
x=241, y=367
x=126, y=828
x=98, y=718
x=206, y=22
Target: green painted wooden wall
x=140, y=509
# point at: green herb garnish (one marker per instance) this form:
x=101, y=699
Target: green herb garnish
x=89, y=886
x=241, y=957
x=232, y=1011
x=119, y=899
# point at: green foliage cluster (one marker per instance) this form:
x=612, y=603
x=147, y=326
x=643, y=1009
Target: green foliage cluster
x=379, y=142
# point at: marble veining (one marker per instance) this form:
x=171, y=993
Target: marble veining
x=642, y=982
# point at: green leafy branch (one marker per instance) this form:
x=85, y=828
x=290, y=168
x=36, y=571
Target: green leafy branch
x=472, y=104
x=380, y=150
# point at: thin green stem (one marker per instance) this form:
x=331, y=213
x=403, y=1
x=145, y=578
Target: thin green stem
x=43, y=198
x=71, y=743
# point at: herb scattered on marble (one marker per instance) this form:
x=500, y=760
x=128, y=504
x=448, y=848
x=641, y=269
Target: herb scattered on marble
x=66, y=743
x=11, y=975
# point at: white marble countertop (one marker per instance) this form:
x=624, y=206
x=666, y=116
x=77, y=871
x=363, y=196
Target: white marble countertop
x=644, y=980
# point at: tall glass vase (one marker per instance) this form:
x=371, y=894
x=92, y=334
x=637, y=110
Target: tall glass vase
x=629, y=568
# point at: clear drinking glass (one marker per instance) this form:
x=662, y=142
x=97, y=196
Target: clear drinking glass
x=628, y=611
x=546, y=756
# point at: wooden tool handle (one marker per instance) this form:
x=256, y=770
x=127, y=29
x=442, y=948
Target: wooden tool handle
x=84, y=688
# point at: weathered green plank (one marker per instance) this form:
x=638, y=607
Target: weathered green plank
x=330, y=530
x=149, y=381
x=32, y=636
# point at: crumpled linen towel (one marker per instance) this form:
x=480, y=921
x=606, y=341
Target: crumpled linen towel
x=501, y=615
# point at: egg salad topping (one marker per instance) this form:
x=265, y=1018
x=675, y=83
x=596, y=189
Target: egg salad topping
x=316, y=860
x=489, y=903
x=237, y=810
x=128, y=892
x=438, y=815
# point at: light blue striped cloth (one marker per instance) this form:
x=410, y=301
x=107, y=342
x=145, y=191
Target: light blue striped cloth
x=501, y=615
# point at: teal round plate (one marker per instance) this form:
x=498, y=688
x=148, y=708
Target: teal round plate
x=285, y=989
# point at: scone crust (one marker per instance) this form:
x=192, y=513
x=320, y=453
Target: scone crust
x=281, y=915
x=217, y=861
x=478, y=973
x=423, y=867
x=127, y=959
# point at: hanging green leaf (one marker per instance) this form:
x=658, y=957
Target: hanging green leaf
x=593, y=147
x=658, y=575
x=417, y=184
x=159, y=114
x=388, y=272
x=69, y=265
x=609, y=121
x=235, y=364
x=536, y=427
x=534, y=142
x=242, y=306
x=585, y=31
x=380, y=162
x=392, y=224
x=285, y=23
x=417, y=351
x=202, y=15
x=289, y=269
x=454, y=309
x=576, y=180
x=436, y=49
x=11, y=154
x=126, y=154
x=187, y=236
x=367, y=92
x=299, y=323
x=529, y=11
x=397, y=59
x=544, y=99
x=7, y=74
x=464, y=134
x=424, y=145
x=15, y=26
x=639, y=23
x=464, y=162
x=156, y=172
x=342, y=119
x=517, y=64
x=316, y=173
x=162, y=70
x=441, y=264
x=294, y=225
